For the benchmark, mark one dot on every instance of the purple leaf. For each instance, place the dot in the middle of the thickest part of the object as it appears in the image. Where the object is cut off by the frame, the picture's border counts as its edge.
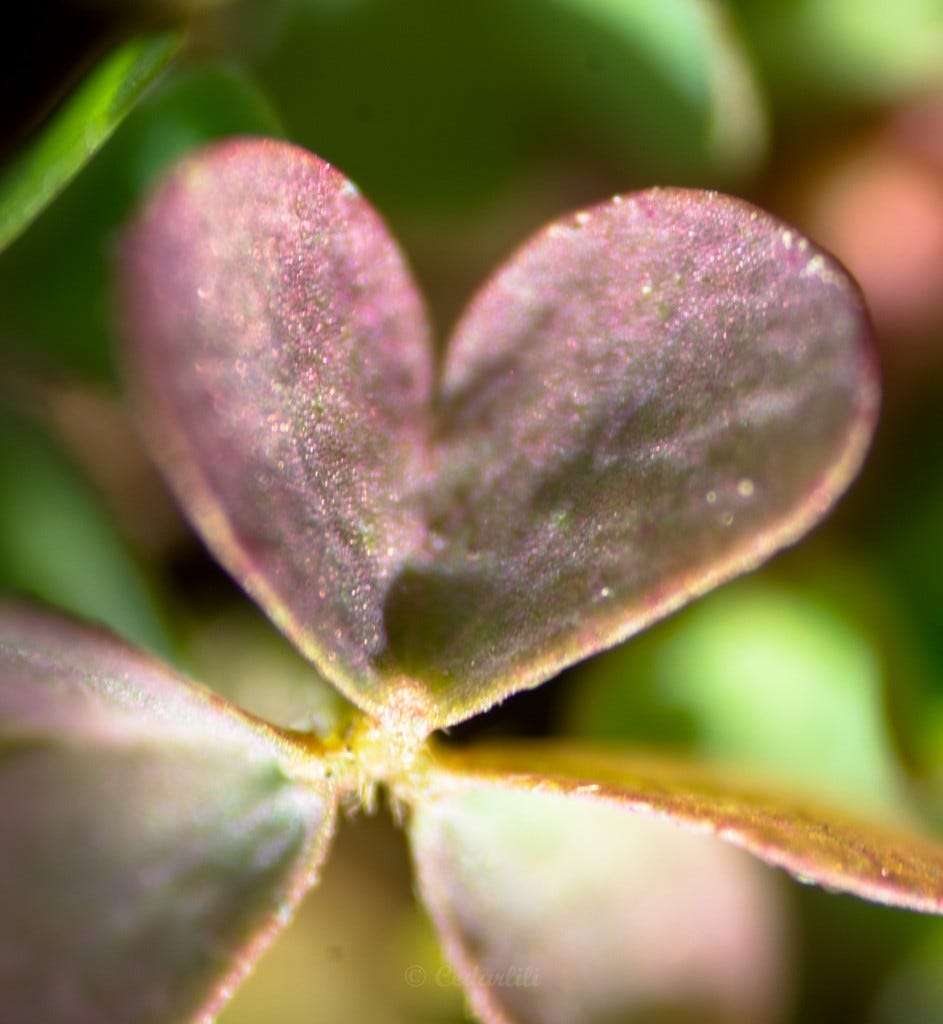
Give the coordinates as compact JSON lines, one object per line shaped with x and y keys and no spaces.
{"x":886,"y":863}
{"x":651,"y":397}
{"x":154,"y":840}
{"x":555,"y":909}
{"x":280,"y":358}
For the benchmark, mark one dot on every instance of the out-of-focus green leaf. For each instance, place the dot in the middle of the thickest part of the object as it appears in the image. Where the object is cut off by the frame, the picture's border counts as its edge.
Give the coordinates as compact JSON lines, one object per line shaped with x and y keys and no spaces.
{"x":906,"y":543}
{"x":555,"y":909}
{"x":416,"y":100}
{"x":240,"y":655}
{"x":57,"y":543}
{"x":846,"y":49}
{"x":201,"y":103}
{"x":68,"y":253}
{"x":37,"y":174}
{"x":663,"y":86}
{"x":913,"y":992}
{"x":650,"y":397}
{"x":154,"y":838}
{"x":916,"y":554}
{"x":433,"y":106}
{"x":757,"y":674}
{"x":889,"y":863}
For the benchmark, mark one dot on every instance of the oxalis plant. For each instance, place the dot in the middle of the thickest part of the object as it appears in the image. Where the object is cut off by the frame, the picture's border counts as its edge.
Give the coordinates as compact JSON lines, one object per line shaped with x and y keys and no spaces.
{"x":650,"y":397}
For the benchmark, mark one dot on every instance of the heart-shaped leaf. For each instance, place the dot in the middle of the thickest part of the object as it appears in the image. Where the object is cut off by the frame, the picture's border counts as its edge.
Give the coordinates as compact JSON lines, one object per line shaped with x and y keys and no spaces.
{"x":886,"y":863}
{"x":648,"y":399}
{"x":651,"y":397}
{"x":153,"y":839}
{"x":555,"y":909}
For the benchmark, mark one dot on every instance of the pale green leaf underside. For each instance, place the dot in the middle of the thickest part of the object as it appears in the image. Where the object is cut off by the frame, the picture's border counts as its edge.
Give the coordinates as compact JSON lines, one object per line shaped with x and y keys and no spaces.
{"x":886,"y":863}
{"x":650,"y":397}
{"x":153,"y":842}
{"x":38,"y":173}
{"x":555,"y":909}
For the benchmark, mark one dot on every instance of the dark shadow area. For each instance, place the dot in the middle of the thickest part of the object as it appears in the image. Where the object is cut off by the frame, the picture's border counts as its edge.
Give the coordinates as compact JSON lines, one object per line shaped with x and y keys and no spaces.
{"x":54,"y":43}
{"x":432,"y":619}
